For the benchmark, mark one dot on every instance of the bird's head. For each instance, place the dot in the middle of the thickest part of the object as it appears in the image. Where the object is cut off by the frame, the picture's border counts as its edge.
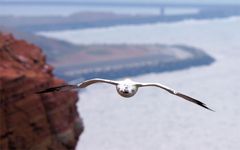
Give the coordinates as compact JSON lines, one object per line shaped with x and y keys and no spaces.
{"x":126,"y":89}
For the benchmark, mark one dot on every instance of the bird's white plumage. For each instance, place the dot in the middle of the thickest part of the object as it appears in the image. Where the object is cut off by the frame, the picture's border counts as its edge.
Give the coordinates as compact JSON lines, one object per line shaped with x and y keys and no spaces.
{"x":126,"y":88}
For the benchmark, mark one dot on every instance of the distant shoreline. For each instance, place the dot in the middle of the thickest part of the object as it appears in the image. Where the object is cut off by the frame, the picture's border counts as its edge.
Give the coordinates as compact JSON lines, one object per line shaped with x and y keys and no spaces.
{"x":82,"y":21}
{"x":200,"y":58}
{"x":130,"y":72}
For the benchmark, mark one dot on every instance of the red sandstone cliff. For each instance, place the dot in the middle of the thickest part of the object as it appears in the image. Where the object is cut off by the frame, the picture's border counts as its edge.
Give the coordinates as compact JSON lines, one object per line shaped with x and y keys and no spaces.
{"x":28,"y":120}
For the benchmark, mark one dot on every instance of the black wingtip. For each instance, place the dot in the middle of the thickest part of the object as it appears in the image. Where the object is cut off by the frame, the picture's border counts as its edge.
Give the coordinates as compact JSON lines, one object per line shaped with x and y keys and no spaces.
{"x":46,"y":91}
{"x":205,"y":106}
{"x":52,"y":89}
{"x":194,"y":101}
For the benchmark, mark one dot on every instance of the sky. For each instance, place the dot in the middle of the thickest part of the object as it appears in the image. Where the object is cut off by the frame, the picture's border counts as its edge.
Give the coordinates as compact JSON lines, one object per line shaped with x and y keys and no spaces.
{"x":145,"y":1}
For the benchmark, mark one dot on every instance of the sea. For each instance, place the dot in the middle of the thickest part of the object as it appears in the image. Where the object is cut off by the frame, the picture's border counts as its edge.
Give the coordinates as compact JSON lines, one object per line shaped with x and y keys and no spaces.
{"x":154,"y":119}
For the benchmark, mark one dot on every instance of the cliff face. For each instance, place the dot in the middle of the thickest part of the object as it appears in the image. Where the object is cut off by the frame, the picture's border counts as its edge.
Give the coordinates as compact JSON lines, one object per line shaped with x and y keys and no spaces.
{"x":29,"y":120}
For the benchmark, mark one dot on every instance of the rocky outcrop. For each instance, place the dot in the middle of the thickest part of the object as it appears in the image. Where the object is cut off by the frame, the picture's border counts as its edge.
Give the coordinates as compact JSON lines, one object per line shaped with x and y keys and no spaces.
{"x":29,"y":120}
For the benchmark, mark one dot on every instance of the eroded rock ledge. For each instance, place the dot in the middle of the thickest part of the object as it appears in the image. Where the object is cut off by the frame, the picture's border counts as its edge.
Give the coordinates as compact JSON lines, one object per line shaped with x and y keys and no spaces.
{"x":29,"y":120}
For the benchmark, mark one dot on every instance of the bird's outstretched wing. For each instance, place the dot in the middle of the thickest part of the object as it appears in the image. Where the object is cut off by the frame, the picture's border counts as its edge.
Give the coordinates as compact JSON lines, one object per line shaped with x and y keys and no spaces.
{"x":83,"y":84}
{"x":66,"y":87}
{"x":172,"y":91}
{"x":96,"y":80}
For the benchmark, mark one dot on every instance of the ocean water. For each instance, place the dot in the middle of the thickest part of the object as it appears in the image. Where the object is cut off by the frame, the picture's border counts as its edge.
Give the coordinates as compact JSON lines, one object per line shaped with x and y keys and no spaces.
{"x":154,"y":119}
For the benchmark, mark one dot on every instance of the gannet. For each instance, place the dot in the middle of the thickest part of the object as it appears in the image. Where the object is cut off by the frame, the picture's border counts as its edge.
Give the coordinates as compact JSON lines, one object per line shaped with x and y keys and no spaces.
{"x":126,"y":88}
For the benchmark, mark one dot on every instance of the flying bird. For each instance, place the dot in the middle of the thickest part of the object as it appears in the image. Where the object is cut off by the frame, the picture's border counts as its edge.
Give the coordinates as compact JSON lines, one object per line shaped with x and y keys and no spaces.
{"x":126,"y":88}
